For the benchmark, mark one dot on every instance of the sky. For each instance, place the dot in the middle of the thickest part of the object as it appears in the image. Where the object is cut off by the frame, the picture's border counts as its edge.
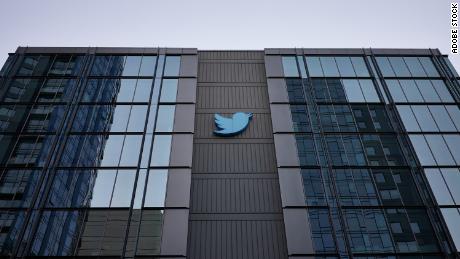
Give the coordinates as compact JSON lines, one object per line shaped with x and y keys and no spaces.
{"x":232,"y":24}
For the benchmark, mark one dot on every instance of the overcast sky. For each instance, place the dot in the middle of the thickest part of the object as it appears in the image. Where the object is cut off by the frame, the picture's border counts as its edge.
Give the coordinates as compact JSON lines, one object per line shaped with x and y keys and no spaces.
{"x":233,"y":24}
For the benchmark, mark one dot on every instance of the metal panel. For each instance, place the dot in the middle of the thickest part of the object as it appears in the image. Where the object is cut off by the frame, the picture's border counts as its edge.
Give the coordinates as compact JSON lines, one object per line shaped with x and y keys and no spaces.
{"x":231,"y":72}
{"x":281,"y":118}
{"x":231,"y":97}
{"x":188,"y":66}
{"x":298,"y":232}
{"x":292,"y":193}
{"x":186,"y":90}
{"x":274,"y":66}
{"x":286,"y":150}
{"x":174,"y":234}
{"x":181,"y":150}
{"x":277,"y":90}
{"x":178,"y":188}
{"x":184,"y":118}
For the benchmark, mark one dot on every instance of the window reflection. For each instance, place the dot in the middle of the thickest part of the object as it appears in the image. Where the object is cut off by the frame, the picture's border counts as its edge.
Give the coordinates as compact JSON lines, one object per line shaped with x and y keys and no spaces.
{"x":161,"y":150}
{"x":113,"y":188}
{"x":165,"y":120}
{"x":172,"y":66}
{"x":169,"y":90}
{"x":156,"y":188}
{"x":290,"y":66}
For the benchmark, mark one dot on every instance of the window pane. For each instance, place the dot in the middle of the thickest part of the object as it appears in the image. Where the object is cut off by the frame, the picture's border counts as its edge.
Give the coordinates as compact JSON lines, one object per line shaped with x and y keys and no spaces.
{"x":415,"y":67}
{"x":452,"y":218}
{"x":148,"y":66}
{"x":385,"y":66}
{"x":345,"y":66}
{"x":408,"y":118}
{"x":329,"y":66}
{"x":165,"y":121}
{"x":452,"y":178}
{"x":137,"y":118}
{"x":306,"y":150}
{"x":131,"y":150}
{"x":453,"y":141}
{"x":303,"y":71}
{"x":454,"y":113}
{"x":424,"y":118}
{"x":156,"y":188}
{"x":123,"y":189}
{"x":103,"y":187}
{"x":422,"y":150}
{"x":314,"y":66}
{"x":411,"y":91}
{"x":112,"y":150}
{"x":396,"y":91}
{"x":368,"y":89}
{"x":290,"y":67}
{"x":300,"y":119}
{"x":143,"y":88}
{"x":442,"y":90}
{"x":429,"y":66}
{"x":172,"y":66}
{"x":360,"y":66}
{"x":442,"y":118}
{"x":126,"y":92}
{"x":427,"y":90}
{"x":353,"y":90}
{"x":169,"y":90}
{"x":451,"y":67}
{"x":399,"y":66}
{"x":132,"y":65}
{"x":438,"y":186}
{"x":120,"y":118}
{"x":161,"y":150}
{"x":439,"y":149}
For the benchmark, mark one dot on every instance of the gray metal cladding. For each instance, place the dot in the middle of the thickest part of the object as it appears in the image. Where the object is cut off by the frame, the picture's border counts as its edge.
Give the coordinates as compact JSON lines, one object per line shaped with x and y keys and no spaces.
{"x":234,"y":96}
{"x":235,"y":203}
{"x":237,"y":239}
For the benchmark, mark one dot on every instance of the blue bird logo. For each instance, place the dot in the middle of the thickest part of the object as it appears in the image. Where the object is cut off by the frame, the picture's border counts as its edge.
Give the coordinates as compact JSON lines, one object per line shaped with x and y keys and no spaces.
{"x":231,"y":126}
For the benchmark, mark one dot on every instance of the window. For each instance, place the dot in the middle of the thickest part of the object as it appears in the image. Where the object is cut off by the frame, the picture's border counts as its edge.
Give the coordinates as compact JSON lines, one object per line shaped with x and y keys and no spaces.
{"x":132,"y":65}
{"x":306,"y":150}
{"x":407,"y":67}
{"x":321,"y":231}
{"x":419,"y":91}
{"x":300,"y":120}
{"x":290,"y":66}
{"x":343,"y":66}
{"x":165,"y":120}
{"x":452,"y":218}
{"x":172,"y":66}
{"x":362,"y":90}
{"x":169,"y":90}
{"x":313,"y":187}
{"x":156,"y":188}
{"x":113,"y":188}
{"x":148,"y":66}
{"x":161,"y":150}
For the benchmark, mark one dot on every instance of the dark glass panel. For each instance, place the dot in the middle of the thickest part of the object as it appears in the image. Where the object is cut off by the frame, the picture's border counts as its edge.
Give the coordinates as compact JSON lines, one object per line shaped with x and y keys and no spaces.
{"x":360,"y":66}
{"x":442,"y":118}
{"x":22,"y":90}
{"x":396,"y":91}
{"x":328,"y":118}
{"x":427,"y":90}
{"x":374,"y":151}
{"x":396,"y":187}
{"x":17,"y":187}
{"x":336,"y":89}
{"x":411,"y":91}
{"x":380,"y":118}
{"x":442,"y":90}
{"x":101,"y":90}
{"x":392,"y":150}
{"x":354,"y":150}
{"x":25,"y":151}
{"x":363,"y":118}
{"x":329,"y":67}
{"x":414,"y":66}
{"x":300,"y":118}
{"x":320,"y":90}
{"x":313,"y":187}
{"x":429,"y":67}
{"x":306,"y":150}
{"x":321,"y":231}
{"x":355,"y":187}
{"x":399,"y":66}
{"x":295,"y":91}
{"x":345,"y":118}
{"x":385,"y":67}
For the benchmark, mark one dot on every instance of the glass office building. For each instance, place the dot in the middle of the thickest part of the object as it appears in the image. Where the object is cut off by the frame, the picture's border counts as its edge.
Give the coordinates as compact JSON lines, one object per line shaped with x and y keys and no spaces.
{"x":110,"y":153}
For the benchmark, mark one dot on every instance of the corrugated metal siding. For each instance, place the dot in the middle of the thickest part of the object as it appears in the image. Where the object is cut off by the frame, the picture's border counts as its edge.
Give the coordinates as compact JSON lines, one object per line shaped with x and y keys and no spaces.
{"x":235,"y":198}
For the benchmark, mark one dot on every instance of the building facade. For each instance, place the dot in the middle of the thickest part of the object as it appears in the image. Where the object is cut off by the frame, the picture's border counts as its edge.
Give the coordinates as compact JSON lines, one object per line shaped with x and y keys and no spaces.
{"x":111,"y":153}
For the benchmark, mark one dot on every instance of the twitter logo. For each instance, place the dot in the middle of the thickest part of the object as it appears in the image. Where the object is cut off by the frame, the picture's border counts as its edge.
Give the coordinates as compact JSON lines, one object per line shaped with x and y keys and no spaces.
{"x":231,"y":126}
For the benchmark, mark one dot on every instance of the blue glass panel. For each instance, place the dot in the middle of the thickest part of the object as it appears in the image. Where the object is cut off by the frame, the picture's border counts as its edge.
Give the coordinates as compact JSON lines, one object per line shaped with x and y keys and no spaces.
{"x":314,"y":66}
{"x":172,"y":66}
{"x":290,"y":66}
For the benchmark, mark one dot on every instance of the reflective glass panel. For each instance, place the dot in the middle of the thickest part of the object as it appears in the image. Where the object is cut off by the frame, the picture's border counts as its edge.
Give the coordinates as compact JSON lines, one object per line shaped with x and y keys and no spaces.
{"x":290,"y":66}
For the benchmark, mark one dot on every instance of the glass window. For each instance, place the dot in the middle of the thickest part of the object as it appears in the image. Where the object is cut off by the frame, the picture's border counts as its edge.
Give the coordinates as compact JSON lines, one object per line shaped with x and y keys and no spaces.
{"x":148,"y":66}
{"x":137,"y":118}
{"x":314,"y":66}
{"x":427,"y":90}
{"x":355,"y":187}
{"x":429,"y":67}
{"x":385,"y":67}
{"x":396,"y":91}
{"x":172,"y":66}
{"x":320,"y":89}
{"x":453,"y":141}
{"x":442,"y":90}
{"x":415,"y":67}
{"x":161,"y":150}
{"x":452,"y":70}
{"x":156,"y":188}
{"x":306,"y":150}
{"x":452,"y":218}
{"x":411,"y":91}
{"x":424,"y":118}
{"x":132,"y":65}
{"x":300,"y":119}
{"x":143,"y":88}
{"x":290,"y":66}
{"x":329,"y":67}
{"x":112,"y":150}
{"x":353,"y":90}
{"x":120,"y":118}
{"x":438,"y":186}
{"x":336,"y":90}
{"x":439,"y":149}
{"x":321,"y":231}
{"x":399,"y":66}
{"x":442,"y":118}
{"x":103,"y":187}
{"x":368,"y":89}
{"x":123,"y":189}
{"x":113,"y":188}
{"x":295,"y":90}
{"x":131,"y":150}
{"x":165,"y":121}
{"x":454,"y":113}
{"x":422,"y":150}
{"x":169,"y":90}
{"x":408,"y":118}
{"x":313,"y":187}
{"x":126,"y":92}
{"x":345,"y":66}
{"x":452,"y":178}
{"x":360,"y":66}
